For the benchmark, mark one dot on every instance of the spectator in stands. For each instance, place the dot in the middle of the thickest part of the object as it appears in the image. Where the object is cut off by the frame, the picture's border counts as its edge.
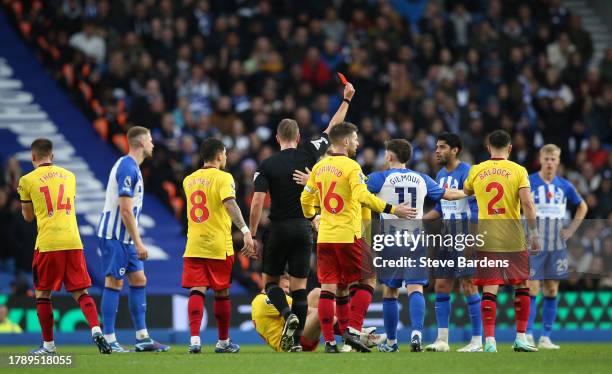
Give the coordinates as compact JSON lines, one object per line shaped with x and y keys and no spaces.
{"x":232,"y":69}
{"x":89,"y":42}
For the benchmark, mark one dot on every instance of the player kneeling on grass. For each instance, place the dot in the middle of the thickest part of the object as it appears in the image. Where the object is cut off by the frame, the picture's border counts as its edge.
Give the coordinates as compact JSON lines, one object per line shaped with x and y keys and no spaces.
{"x":209,"y":254}
{"x":269,"y":323}
{"x":47,"y":194}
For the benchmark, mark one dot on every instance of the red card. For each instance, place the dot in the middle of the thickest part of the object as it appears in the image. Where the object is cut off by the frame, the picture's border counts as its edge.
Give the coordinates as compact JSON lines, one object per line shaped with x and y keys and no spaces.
{"x":342,"y":79}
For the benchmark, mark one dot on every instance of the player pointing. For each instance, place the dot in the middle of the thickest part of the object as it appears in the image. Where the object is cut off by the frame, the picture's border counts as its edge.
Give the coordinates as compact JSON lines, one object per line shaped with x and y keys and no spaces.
{"x":48,"y":194}
{"x":343,"y":258}
{"x":501,"y":188}
{"x":209,"y":254}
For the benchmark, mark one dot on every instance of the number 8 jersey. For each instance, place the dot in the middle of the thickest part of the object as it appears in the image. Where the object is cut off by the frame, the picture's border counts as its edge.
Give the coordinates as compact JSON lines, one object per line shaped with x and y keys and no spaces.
{"x":51,"y":190}
{"x":209,"y":227}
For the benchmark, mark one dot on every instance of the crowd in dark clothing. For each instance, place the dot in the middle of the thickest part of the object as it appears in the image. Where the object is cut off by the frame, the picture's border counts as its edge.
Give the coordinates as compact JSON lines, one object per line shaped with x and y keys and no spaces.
{"x":192,"y":69}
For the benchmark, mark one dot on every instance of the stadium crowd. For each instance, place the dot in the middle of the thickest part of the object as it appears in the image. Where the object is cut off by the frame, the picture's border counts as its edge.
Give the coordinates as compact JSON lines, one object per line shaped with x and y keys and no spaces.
{"x":192,"y":69}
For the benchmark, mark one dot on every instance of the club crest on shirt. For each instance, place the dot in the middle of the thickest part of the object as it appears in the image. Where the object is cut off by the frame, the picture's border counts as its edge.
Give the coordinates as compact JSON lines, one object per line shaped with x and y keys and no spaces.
{"x":127,"y":182}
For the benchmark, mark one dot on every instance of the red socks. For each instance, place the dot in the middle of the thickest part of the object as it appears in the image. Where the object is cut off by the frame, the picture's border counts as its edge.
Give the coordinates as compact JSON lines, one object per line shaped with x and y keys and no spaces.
{"x":44,"y":310}
{"x":222,"y":308}
{"x":342,"y":312}
{"x":361,"y":297}
{"x":88,"y":307}
{"x":521,"y":308}
{"x":488,"y":308}
{"x":195,"y":308}
{"x":326,"y":315}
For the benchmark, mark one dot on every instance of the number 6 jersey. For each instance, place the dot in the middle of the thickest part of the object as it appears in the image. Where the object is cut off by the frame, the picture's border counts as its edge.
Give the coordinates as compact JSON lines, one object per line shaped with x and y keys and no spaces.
{"x":51,"y":190}
{"x":209,"y":227}
{"x":337,"y":184}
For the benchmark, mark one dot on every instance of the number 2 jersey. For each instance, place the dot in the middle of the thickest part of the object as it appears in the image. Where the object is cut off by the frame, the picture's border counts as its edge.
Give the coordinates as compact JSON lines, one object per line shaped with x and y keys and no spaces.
{"x":338,"y":185}
{"x":496,"y":184}
{"x":52,"y":190}
{"x":209,"y":226}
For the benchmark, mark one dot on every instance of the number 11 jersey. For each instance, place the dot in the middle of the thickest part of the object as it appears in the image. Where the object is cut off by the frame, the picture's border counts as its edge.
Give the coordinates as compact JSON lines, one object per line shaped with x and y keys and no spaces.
{"x":209,"y":227}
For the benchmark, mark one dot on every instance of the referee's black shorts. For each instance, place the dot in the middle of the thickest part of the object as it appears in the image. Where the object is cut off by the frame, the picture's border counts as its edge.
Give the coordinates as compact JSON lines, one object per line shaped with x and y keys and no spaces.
{"x":288,"y":242}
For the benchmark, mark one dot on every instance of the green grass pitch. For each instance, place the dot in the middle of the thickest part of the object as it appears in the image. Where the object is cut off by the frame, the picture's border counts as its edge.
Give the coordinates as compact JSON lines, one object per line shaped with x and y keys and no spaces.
{"x":253,"y":359}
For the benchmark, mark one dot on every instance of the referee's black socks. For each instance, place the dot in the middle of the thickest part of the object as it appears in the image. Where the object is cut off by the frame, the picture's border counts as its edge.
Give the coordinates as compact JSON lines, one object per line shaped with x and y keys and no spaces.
{"x":278,"y":299}
{"x":299,"y":307}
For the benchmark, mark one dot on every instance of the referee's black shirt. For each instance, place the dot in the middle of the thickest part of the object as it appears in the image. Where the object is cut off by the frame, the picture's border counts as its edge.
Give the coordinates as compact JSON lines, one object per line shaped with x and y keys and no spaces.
{"x":275,"y":174}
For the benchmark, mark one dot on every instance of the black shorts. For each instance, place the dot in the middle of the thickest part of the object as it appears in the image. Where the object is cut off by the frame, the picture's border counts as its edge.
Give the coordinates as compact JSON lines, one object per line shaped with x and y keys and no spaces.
{"x":288,"y":242}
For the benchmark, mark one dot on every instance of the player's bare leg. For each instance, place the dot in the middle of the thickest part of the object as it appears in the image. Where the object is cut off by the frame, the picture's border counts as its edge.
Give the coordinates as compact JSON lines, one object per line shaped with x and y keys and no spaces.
{"x":390,"y":310}
{"x":488,"y":308}
{"x":88,"y":306}
{"x":416,"y":305}
{"x":222,"y":309}
{"x":138,"y":307}
{"x":550,"y":290}
{"x":44,"y":310}
{"x":109,"y":306}
{"x":534,"y":290}
{"x":521,"y":312}
{"x":472,"y":297}
{"x":326,"y":310}
{"x":443,"y":288}
{"x":195,"y":310}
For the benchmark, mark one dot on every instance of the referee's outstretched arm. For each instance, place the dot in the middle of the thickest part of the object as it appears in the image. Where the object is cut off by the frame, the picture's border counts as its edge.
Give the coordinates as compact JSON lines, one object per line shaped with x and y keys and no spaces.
{"x":349,"y":91}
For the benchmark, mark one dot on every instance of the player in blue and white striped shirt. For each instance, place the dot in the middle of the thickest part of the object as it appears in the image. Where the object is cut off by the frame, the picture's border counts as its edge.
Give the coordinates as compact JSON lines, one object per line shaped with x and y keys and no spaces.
{"x":457,"y":216}
{"x":120,"y":243}
{"x":398,"y":185}
{"x":551,"y":194}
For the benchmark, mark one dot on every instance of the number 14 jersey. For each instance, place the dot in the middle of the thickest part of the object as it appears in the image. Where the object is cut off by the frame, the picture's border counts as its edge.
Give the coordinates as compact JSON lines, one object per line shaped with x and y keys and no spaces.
{"x":209,"y":227}
{"x":51,"y":190}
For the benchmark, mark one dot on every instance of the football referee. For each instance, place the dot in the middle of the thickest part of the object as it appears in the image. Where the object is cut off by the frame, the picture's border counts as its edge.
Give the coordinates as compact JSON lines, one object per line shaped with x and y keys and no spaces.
{"x":289,"y":240}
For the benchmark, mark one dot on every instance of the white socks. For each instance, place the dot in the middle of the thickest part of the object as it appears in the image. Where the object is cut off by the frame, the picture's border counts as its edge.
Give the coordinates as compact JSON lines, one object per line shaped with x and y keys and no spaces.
{"x":477,"y":340}
{"x":142,"y":334}
{"x":110,"y":338}
{"x":443,"y":334}
{"x":195,"y":340}
{"x":49,"y":345}
{"x":521,"y":336}
{"x":96,"y":329}
{"x":390,"y":342}
{"x":490,"y":340}
{"x":417,"y":333}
